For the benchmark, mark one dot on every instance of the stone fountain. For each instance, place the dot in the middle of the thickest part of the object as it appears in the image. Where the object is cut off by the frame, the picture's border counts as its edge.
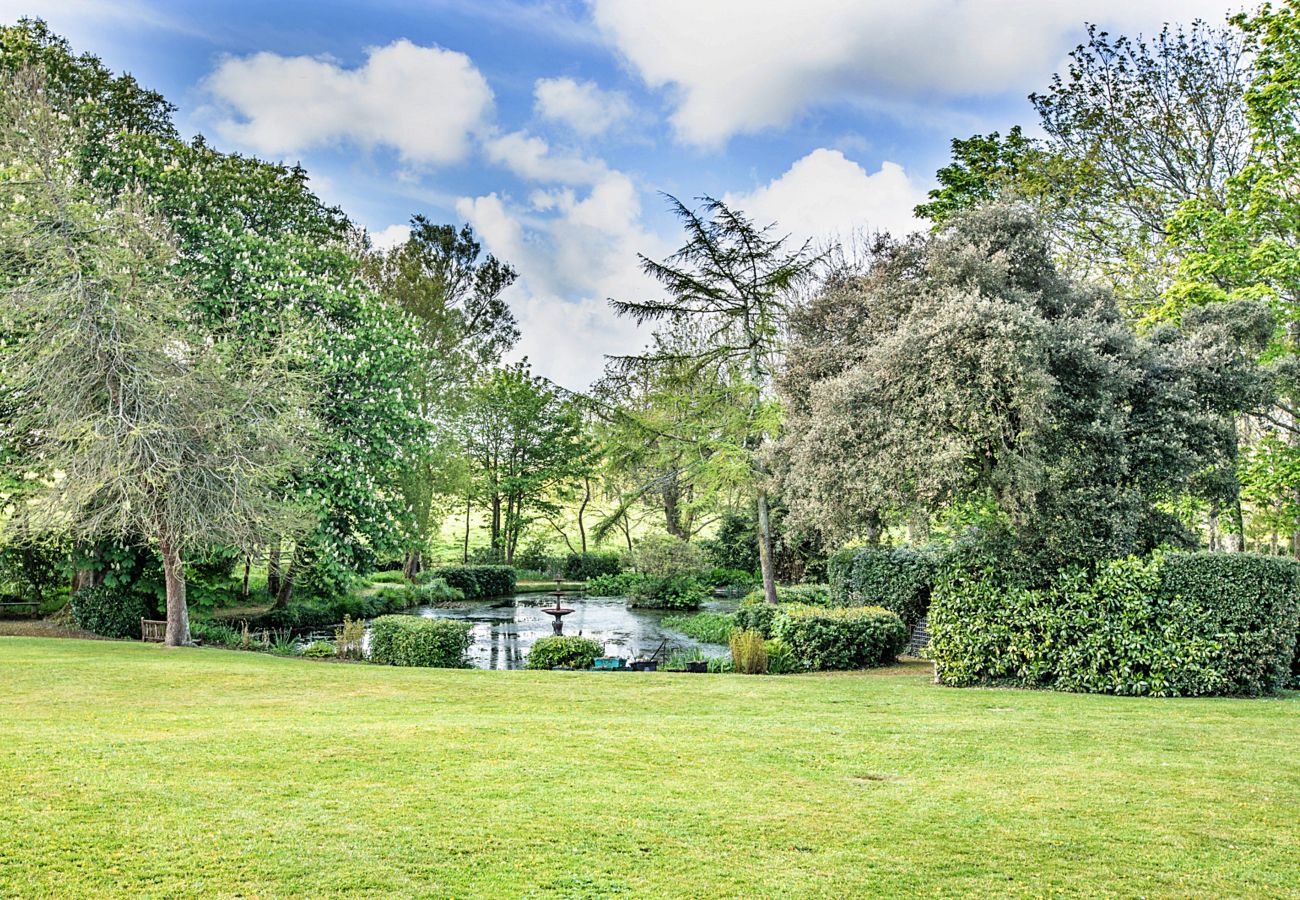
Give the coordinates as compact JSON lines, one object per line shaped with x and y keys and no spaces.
{"x":557,"y":612}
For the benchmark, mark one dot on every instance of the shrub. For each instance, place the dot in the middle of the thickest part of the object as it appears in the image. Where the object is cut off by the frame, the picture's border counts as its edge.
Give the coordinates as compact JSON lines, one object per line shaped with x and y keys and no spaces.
{"x":621,"y":585}
{"x":854,"y":637}
{"x":479,"y":582}
{"x":898,"y":578}
{"x":214,"y":634}
{"x":109,"y":611}
{"x":806,"y":594}
{"x":756,"y":614}
{"x":669,"y":592}
{"x":1167,"y":625}
{"x":733,"y":579}
{"x":712,"y":628}
{"x":585,"y":566}
{"x":564,"y":650}
{"x":780,"y":658}
{"x":748,"y":652}
{"x":417,"y":641}
{"x":319,"y":650}
{"x":662,"y":556}
{"x":348,"y":639}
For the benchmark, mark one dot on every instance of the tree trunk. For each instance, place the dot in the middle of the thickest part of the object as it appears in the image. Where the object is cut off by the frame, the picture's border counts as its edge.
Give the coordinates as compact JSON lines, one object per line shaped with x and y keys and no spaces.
{"x":413,"y":566}
{"x":765,"y":548}
{"x":178,"y":612}
{"x":672,"y":511}
{"x":273,"y":567}
{"x":465,"y":554}
{"x":248,"y":565}
{"x":582,"y":509}
{"x":285,"y":594}
{"x":873,"y":528}
{"x":1213,"y":527}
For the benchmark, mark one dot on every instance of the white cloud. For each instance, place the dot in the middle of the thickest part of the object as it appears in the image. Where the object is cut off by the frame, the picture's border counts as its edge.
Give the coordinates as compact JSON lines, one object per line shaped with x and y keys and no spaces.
{"x":390,"y":237}
{"x":582,"y":106}
{"x":572,"y":253}
{"x":531,"y":158}
{"x":825,"y":194}
{"x":423,"y":101}
{"x":745,"y":65}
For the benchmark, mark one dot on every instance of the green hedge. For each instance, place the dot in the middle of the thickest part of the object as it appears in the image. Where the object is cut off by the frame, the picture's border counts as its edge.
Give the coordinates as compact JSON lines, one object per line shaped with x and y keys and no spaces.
{"x":109,"y":611}
{"x":1168,"y":625}
{"x":583,"y":566}
{"x":564,"y":650}
{"x":417,"y":641}
{"x":898,"y":578}
{"x":806,"y":594}
{"x":835,"y":638}
{"x":478,"y":582}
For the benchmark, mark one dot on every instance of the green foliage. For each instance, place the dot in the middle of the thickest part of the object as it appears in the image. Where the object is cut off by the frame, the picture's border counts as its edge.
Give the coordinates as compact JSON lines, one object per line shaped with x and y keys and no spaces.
{"x":35,"y":573}
{"x":392,"y":576}
{"x":584,"y":566}
{"x":417,"y":641}
{"x":756,"y":614}
{"x":479,"y":582}
{"x":319,"y":650}
{"x":109,"y":611}
{"x":214,"y":634}
{"x":854,"y":637}
{"x":897,"y":578}
{"x":1168,"y":625}
{"x":710,"y":627}
{"x":664,"y":556}
{"x":984,"y":168}
{"x":566,"y":651}
{"x":732,"y":579}
{"x":748,"y":652}
{"x":735,"y":544}
{"x":781,"y":660}
{"x":620,"y":585}
{"x":807,"y":594}
{"x":349,"y":639}
{"x":668,"y":592}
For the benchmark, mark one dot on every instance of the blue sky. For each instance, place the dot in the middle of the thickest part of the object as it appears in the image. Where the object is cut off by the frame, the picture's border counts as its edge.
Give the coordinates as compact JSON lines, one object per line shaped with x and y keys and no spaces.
{"x":552,"y":127}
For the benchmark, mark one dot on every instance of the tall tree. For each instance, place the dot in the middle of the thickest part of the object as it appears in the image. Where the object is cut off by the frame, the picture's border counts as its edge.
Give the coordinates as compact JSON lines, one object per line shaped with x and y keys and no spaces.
{"x":142,"y":428}
{"x":732,"y":282}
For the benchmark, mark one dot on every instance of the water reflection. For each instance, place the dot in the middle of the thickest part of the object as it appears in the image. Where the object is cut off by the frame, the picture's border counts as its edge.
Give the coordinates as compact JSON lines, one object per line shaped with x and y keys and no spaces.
{"x":504,"y":630}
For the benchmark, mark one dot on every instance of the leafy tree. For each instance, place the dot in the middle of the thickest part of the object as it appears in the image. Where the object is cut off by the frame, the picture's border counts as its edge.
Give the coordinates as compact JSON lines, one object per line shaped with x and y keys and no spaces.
{"x":963,"y":367}
{"x":523,"y":440}
{"x":731,"y":282}
{"x":984,"y":168}
{"x":141,"y":427}
{"x":453,"y":296}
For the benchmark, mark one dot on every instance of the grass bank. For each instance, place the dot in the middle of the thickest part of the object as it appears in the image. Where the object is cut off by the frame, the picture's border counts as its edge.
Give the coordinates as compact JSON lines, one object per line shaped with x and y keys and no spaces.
{"x":136,"y":770}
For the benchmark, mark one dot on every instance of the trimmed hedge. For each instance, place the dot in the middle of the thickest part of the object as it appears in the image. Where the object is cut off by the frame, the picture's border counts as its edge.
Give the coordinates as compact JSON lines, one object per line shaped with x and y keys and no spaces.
{"x":1168,"y":625}
{"x":898,"y":578}
{"x":836,"y":638}
{"x":569,"y":651}
{"x":584,"y":566}
{"x":109,"y":611}
{"x":417,"y":641}
{"x":479,"y":582}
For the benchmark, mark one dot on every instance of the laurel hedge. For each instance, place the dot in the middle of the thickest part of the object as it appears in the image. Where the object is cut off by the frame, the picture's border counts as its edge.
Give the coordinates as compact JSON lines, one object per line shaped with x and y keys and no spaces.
{"x":1166,"y":625}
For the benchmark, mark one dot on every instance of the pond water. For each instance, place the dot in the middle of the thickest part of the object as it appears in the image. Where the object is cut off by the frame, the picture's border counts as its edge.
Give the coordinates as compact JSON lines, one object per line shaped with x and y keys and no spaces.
{"x":505,"y":629}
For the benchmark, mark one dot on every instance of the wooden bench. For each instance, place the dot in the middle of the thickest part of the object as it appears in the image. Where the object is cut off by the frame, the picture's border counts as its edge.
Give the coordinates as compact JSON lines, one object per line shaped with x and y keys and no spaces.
{"x":152,"y":630}
{"x":33,"y":607}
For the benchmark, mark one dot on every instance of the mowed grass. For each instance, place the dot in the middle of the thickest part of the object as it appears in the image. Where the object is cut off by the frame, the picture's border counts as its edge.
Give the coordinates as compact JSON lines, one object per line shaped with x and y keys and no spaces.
{"x":139,"y":771}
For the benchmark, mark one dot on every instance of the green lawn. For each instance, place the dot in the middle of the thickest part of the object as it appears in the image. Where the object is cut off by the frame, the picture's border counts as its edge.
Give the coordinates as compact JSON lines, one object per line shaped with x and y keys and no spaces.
{"x":135,"y":770}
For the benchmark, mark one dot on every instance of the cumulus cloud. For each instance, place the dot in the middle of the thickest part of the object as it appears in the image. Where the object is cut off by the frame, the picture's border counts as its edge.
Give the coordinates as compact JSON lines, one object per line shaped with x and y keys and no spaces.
{"x":581,"y":105}
{"x":744,"y":65}
{"x":573,"y":251}
{"x":390,"y":237}
{"x":531,"y":159}
{"x":425,"y":102}
{"x":825,"y":195}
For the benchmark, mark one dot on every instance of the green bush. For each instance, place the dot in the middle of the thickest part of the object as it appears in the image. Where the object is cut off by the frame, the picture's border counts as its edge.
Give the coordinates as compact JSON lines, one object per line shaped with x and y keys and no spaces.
{"x":898,"y":578}
{"x":712,"y":628}
{"x":585,"y":566}
{"x":663,"y":556}
{"x":733,"y":579}
{"x":571,"y":652}
{"x":806,"y":594}
{"x":214,"y":634}
{"x":319,"y":650}
{"x":756,"y":614}
{"x":834,"y":638}
{"x":418,"y":641}
{"x":479,"y":582}
{"x":669,"y":592}
{"x":780,"y":658}
{"x":390,"y":576}
{"x":109,"y":611}
{"x":620,"y":585}
{"x":1167,"y":625}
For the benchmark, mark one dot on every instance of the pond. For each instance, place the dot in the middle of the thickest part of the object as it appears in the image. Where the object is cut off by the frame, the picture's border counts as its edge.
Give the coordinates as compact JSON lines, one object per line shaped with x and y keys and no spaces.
{"x":504,"y":629}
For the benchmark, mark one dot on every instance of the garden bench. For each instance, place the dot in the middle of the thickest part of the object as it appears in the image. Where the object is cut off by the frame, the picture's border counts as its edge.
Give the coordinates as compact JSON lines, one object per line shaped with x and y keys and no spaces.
{"x":33,"y":607}
{"x":153,"y":630}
